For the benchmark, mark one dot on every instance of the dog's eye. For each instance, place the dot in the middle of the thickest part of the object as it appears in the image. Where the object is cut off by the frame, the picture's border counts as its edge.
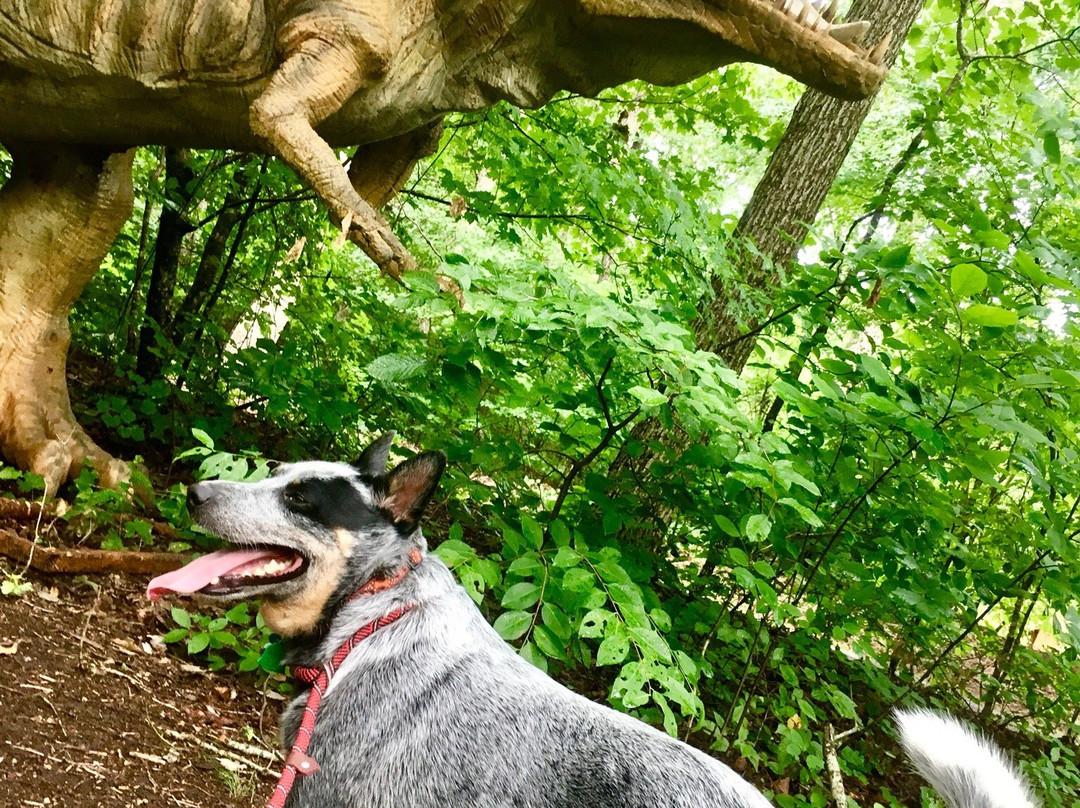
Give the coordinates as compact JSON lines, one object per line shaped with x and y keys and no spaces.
{"x":295,"y":499}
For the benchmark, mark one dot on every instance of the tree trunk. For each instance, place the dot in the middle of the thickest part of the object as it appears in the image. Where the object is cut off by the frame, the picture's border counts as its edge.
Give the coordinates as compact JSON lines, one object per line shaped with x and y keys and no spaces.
{"x":59,"y":213}
{"x":798,"y":178}
{"x":785,"y":203}
{"x":173,"y":227}
{"x":183,"y":323}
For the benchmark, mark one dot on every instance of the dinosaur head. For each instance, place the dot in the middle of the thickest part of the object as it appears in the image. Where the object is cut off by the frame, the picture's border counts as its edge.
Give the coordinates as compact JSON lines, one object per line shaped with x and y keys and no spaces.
{"x":674,"y":41}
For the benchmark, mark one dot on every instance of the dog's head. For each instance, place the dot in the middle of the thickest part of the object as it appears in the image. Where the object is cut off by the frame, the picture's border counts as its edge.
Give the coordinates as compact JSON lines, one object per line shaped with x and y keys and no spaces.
{"x":309,"y":535}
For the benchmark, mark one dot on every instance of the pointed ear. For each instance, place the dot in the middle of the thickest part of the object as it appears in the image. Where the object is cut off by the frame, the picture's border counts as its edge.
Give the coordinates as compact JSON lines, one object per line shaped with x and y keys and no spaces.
{"x":410,"y":486}
{"x":372,"y":461}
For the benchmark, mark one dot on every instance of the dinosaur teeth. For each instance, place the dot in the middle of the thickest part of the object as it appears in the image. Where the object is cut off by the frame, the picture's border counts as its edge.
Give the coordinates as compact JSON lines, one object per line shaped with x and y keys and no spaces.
{"x":877,"y":53}
{"x":817,"y":15}
{"x":850,"y":33}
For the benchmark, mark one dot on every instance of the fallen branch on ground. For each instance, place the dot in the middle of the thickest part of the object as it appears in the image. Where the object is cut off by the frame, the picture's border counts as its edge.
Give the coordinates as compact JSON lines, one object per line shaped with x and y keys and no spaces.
{"x":86,"y":560}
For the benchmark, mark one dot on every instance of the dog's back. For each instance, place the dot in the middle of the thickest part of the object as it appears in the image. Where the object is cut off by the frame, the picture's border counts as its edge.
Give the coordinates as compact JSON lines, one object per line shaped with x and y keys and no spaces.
{"x":440,"y":711}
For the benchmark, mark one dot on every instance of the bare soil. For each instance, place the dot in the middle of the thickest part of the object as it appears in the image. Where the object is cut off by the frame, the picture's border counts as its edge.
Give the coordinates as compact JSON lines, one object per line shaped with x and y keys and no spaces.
{"x":94,"y":711}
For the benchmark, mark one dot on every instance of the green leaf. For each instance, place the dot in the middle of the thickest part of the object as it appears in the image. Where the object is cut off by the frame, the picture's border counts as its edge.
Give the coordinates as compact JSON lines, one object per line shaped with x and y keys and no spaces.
{"x":987,"y":315}
{"x":650,"y":642}
{"x":454,"y":552}
{"x":967,"y":280}
{"x":547,"y":643}
{"x":511,"y":625}
{"x":522,"y":595}
{"x":670,"y":724}
{"x":223,"y":639}
{"x":198,"y":643}
{"x":527,"y":566}
{"x":560,"y":534}
{"x":726,"y":525}
{"x":272,"y":657}
{"x":592,"y":624}
{"x":556,"y":620}
{"x":393,"y":368}
{"x":566,"y":557}
{"x":181,"y":617}
{"x":175,"y":635}
{"x":578,"y":580}
{"x":531,"y":530}
{"x":993,"y":238}
{"x":896,"y":258}
{"x":530,"y":652}
{"x":647,"y":396}
{"x":616,"y":644}
{"x":1052,"y":147}
{"x":876,"y":370}
{"x":758,"y":527}
{"x":238,"y":614}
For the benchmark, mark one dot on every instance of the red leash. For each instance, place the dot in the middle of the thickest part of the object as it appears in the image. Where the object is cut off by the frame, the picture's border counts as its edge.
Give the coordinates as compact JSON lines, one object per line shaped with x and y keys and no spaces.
{"x":299,"y":763}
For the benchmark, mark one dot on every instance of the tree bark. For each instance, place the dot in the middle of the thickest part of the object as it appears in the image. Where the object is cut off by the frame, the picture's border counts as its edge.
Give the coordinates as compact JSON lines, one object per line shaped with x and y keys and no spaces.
{"x":798,"y":178}
{"x":212,"y":262}
{"x":59,"y":213}
{"x":173,"y":227}
{"x":784,"y":205}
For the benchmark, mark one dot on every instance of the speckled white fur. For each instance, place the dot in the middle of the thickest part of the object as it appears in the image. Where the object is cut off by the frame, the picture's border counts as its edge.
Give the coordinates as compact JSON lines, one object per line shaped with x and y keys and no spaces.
{"x":966,"y":768}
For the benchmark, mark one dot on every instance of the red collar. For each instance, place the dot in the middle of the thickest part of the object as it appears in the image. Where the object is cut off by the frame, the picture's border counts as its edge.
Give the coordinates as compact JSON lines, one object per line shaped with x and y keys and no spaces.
{"x":299,"y":763}
{"x":382,"y":583}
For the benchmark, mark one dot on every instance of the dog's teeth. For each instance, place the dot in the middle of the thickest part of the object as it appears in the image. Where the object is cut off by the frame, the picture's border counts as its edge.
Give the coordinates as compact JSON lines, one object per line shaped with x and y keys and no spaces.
{"x":215,"y":581}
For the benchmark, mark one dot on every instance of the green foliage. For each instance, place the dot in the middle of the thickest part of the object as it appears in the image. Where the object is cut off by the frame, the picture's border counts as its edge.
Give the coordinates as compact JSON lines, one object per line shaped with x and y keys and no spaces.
{"x":233,"y":638}
{"x":13,"y":585}
{"x":247,"y":466}
{"x":877,"y":512}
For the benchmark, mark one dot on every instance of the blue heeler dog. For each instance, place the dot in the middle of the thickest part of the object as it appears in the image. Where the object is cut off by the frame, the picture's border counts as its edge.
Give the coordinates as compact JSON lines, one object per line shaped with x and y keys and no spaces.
{"x":420,"y":704}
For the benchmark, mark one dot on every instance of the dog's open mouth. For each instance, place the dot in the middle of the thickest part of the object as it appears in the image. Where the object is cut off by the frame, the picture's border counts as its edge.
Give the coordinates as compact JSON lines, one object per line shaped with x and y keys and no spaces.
{"x":228,"y":571}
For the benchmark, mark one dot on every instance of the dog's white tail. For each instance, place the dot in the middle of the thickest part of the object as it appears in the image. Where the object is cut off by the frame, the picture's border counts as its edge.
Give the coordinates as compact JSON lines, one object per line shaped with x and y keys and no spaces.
{"x":967,"y":769}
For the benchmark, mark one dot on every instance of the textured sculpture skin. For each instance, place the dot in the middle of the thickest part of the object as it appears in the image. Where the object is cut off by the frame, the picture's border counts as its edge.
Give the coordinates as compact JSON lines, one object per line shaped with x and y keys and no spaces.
{"x":81,"y":80}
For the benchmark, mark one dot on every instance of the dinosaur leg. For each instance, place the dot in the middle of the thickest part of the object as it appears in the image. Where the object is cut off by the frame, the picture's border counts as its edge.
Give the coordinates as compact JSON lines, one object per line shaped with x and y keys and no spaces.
{"x":379,"y":170}
{"x":59,"y":213}
{"x":312,"y":83}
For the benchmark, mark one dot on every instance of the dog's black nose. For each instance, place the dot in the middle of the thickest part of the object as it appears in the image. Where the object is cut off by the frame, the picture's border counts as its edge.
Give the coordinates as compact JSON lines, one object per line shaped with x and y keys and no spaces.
{"x":197,"y":494}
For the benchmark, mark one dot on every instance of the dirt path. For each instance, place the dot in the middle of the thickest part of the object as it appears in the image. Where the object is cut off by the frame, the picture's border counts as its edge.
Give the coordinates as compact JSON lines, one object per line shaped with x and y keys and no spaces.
{"x":94,"y":712}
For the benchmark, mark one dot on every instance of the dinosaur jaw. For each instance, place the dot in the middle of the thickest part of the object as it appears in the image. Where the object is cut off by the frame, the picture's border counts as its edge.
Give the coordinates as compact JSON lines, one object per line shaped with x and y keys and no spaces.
{"x":809,"y":45}
{"x":791,"y":36}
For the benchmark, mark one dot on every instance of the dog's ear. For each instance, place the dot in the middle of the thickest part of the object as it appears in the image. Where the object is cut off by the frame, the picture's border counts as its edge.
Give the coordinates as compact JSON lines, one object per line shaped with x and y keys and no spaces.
{"x":410,"y":486}
{"x":372,"y":461}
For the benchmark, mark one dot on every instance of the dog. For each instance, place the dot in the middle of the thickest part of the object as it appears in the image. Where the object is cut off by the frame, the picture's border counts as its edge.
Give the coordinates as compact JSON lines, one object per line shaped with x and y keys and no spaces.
{"x":430,"y":708}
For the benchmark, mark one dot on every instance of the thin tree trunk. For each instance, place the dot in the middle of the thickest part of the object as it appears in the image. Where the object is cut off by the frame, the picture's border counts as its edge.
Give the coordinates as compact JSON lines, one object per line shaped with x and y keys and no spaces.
{"x":212,"y":262}
{"x":128,"y":320}
{"x":873,"y":219}
{"x":173,"y":226}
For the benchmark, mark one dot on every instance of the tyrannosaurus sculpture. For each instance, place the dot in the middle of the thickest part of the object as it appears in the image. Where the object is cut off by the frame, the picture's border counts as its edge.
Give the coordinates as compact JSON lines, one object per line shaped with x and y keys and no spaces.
{"x":83,"y":81}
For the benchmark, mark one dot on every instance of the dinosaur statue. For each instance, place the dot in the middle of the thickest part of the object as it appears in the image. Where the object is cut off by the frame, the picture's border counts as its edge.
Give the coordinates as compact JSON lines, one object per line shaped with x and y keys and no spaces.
{"x":84,"y":81}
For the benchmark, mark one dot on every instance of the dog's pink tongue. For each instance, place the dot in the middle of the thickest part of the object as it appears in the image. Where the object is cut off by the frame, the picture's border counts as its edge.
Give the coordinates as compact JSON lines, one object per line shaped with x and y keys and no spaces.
{"x":201,"y":571}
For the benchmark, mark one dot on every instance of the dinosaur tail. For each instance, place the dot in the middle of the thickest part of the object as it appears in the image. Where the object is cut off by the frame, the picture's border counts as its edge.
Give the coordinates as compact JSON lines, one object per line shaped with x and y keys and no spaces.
{"x":966,"y":768}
